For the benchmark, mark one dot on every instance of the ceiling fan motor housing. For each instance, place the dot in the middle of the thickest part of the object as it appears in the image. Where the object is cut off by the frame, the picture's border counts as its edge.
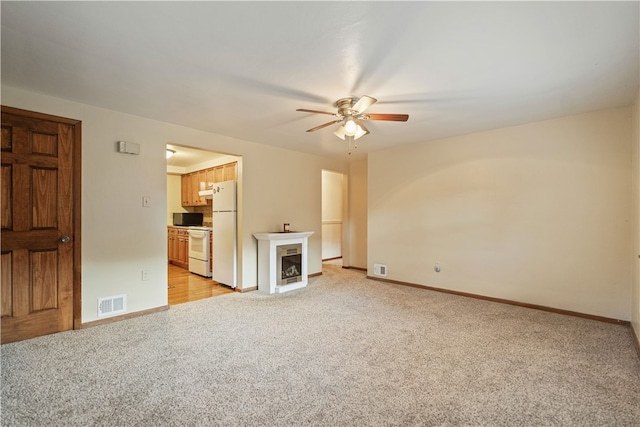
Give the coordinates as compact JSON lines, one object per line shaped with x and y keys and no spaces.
{"x":345,"y":106}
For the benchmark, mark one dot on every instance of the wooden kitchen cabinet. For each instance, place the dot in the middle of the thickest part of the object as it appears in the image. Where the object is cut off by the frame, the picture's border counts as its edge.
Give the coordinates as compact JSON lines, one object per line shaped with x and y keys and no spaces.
{"x":211,"y":177}
{"x":225,"y":172}
{"x":229,"y":171}
{"x":172,"y":243}
{"x":193,"y":197}
{"x":203,"y":179}
{"x":185,"y":189}
{"x":178,"y":246}
{"x":183,"y":247}
{"x":202,"y":185}
{"x":190,"y":189}
{"x":218,"y":174}
{"x":197,"y":178}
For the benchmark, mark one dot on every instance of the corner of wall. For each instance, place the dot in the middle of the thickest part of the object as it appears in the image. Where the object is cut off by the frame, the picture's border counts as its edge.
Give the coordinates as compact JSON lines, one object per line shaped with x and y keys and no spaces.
{"x":358,"y":213}
{"x":635,"y":200}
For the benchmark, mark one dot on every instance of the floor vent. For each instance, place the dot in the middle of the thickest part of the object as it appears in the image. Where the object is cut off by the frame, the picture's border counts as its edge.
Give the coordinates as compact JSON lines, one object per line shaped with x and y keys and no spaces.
{"x":380,"y":270}
{"x":112,"y":305}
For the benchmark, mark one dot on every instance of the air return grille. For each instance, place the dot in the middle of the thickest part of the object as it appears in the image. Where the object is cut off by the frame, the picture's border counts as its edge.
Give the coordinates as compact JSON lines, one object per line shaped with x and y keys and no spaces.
{"x":380,"y":270}
{"x":112,"y":305}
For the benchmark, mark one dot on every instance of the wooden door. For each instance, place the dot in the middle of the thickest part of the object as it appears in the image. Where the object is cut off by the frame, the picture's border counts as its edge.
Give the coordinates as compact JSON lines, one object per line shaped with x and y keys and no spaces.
{"x":40,"y":224}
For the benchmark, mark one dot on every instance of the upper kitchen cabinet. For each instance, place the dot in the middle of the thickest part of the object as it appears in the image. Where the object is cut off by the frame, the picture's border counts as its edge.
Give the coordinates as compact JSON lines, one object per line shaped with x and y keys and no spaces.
{"x":229,"y":171}
{"x":204,"y":179}
{"x":198,"y":182}
{"x":185,"y":190}
{"x":211,"y":176}
{"x":190,"y":187}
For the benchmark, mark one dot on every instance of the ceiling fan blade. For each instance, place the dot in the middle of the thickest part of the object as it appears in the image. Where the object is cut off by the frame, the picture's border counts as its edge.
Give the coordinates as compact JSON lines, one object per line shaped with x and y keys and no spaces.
{"x":323,"y":126}
{"x":389,"y":117}
{"x":304,"y":110}
{"x":363,"y":103}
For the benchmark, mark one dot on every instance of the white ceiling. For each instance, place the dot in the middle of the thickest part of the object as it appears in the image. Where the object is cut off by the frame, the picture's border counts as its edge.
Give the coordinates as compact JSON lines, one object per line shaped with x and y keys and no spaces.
{"x":242,"y":68}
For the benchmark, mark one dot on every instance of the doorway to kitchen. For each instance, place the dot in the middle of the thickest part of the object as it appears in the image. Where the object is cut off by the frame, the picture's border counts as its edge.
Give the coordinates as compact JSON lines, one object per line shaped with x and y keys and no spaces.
{"x":191,"y":175}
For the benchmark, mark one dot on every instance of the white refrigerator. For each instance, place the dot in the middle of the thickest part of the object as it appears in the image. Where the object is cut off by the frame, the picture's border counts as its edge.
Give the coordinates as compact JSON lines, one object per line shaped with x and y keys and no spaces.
{"x":224,"y":233}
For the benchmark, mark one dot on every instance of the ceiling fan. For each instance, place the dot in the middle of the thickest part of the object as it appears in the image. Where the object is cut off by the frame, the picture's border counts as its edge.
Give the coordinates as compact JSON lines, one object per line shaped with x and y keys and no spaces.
{"x":351,"y":113}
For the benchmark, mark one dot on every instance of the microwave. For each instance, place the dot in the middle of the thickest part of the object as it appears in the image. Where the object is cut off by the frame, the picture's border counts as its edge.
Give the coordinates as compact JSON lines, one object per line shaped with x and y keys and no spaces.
{"x":187,"y":218}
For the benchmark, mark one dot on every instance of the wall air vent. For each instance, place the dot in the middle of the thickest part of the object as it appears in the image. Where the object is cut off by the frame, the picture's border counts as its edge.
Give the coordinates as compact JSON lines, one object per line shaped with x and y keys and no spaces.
{"x":112,"y":305}
{"x":380,"y":270}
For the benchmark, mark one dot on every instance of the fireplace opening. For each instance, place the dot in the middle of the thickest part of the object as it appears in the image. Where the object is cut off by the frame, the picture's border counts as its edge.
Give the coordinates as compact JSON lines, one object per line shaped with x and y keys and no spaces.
{"x":289,"y":264}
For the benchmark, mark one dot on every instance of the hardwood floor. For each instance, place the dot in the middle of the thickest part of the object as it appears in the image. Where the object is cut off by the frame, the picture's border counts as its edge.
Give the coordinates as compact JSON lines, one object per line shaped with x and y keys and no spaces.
{"x":185,"y":286}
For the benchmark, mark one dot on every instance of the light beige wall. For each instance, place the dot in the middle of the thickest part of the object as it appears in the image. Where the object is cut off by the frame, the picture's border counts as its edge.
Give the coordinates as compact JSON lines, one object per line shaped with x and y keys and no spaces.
{"x":635,"y":256}
{"x":538,"y":213}
{"x":357,"y":218}
{"x":120,"y":238}
{"x":174,"y":197}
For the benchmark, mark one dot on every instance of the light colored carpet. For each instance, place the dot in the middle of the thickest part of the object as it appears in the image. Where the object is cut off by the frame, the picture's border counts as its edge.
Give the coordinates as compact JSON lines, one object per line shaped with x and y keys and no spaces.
{"x":345,"y":351}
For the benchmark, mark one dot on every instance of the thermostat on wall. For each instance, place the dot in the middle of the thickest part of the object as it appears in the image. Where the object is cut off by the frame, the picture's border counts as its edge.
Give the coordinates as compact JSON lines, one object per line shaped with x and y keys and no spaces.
{"x":127,"y":147}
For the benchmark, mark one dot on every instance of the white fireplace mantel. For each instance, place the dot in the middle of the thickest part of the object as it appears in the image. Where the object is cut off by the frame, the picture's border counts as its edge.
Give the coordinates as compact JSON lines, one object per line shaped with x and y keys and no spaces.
{"x":267,"y":243}
{"x":283,"y":236}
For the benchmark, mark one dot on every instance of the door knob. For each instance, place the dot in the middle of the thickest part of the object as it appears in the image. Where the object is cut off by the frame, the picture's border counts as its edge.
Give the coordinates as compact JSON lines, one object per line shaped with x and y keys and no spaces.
{"x":65,"y":239}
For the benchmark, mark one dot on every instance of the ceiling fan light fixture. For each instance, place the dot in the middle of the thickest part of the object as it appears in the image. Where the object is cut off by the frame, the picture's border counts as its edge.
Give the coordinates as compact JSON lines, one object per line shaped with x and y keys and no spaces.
{"x":350,"y":127}
{"x":341,"y":132}
{"x":360,"y":132}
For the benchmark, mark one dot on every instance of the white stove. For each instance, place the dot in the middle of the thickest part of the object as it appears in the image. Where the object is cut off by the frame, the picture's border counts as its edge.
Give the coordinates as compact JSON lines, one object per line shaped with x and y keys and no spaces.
{"x":199,"y":250}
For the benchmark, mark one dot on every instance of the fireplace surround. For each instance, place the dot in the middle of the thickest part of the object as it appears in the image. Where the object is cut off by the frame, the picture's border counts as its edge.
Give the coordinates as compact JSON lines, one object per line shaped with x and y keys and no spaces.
{"x":282,"y":261}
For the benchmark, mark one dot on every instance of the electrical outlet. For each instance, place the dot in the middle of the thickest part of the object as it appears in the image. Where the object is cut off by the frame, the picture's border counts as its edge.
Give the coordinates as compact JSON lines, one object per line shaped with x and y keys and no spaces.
{"x":437,"y":267}
{"x":145,"y":275}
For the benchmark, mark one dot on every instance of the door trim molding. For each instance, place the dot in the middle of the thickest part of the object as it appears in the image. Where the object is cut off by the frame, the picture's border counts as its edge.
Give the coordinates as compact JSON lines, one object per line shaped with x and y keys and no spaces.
{"x":77,"y":205}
